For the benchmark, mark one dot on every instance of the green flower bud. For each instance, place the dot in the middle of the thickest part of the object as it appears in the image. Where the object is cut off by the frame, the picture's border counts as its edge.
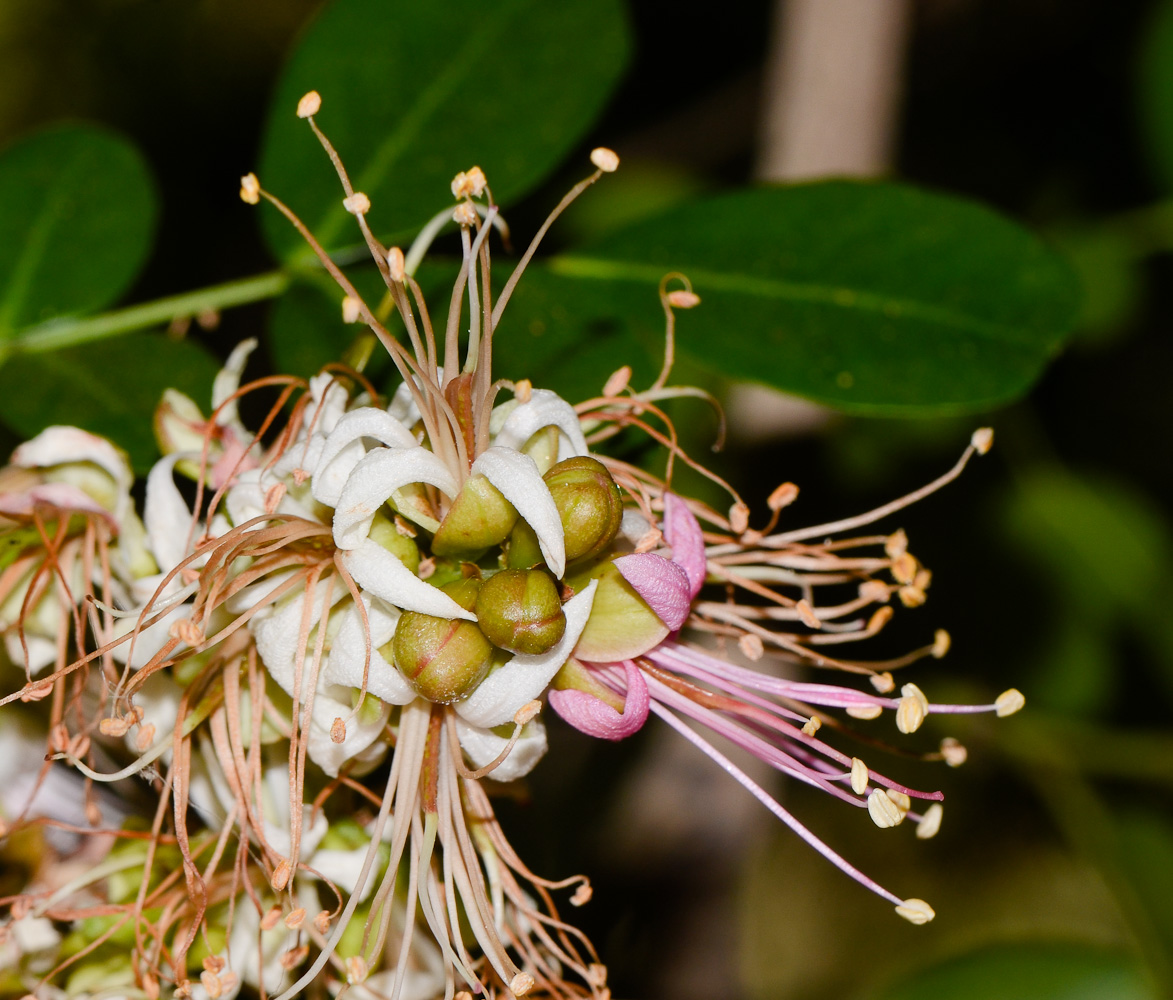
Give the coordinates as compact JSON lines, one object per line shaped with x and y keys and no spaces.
{"x":384,"y":532}
{"x":519,"y":610}
{"x":523,"y":550}
{"x":621,"y":624}
{"x":442,"y":659}
{"x":589,"y":503}
{"x":479,"y":518}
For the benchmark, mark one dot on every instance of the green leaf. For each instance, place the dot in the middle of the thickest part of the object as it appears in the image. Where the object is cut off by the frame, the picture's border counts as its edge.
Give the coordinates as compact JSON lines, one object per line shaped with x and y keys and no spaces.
{"x":415,"y":92}
{"x":1146,"y":854}
{"x":110,"y":388}
{"x":1155,"y":95}
{"x":876,"y":299}
{"x":1028,"y":972}
{"x":77,"y":209}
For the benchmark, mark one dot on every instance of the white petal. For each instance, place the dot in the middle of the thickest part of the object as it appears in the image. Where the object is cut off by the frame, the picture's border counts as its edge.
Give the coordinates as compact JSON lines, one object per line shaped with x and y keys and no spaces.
{"x":402,"y":407}
{"x":41,"y":651}
{"x":330,"y":399}
{"x":227,"y":381}
{"x":246,"y":499}
{"x":523,"y":678}
{"x":373,"y":480}
{"x":60,"y":444}
{"x":343,"y":868}
{"x":377,"y":570}
{"x":344,"y":447}
{"x":483,"y":745}
{"x":519,"y":481}
{"x":166,"y":515}
{"x":150,"y":639}
{"x":276,"y":635}
{"x":349,"y":650}
{"x":361,"y":731}
{"x":544,"y":409}
{"x":304,"y":454}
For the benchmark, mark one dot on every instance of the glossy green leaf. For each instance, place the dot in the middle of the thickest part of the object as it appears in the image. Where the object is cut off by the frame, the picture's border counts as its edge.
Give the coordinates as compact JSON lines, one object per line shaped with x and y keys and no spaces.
{"x":1028,"y":972}
{"x":110,"y":388}
{"x":414,"y":92}
{"x":77,"y":210}
{"x":876,"y":299}
{"x":1156,"y":91}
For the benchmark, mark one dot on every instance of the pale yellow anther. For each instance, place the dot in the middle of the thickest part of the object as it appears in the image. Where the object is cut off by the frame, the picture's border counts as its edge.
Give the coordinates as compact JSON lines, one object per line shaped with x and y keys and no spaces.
{"x":351,"y":309}
{"x":904,"y":568}
{"x":521,"y":984}
{"x":896,"y":544}
{"x":396,"y":265}
{"x":912,"y":597}
{"x":250,"y":189}
{"x":295,"y":918}
{"x":807,"y":614}
{"x":941,"y":643}
{"x":901,"y":800}
{"x":982,"y":440}
{"x":607,"y":160}
{"x":874,"y":590}
{"x":1009,"y":702}
{"x":930,"y":822}
{"x":812,"y":725}
{"x":523,"y":390}
{"x":751,"y":647}
{"x":617,"y":382}
{"x":309,"y":105}
{"x":357,"y":203}
{"x":682,"y":298}
{"x":782,"y":496}
{"x":476,"y":181}
{"x":916,"y":911}
{"x":582,"y":895}
{"x":865,"y":711}
{"x":880,"y":617}
{"x":913,"y":708}
{"x":953,"y":752}
{"x":527,"y":712}
{"x":884,"y":812}
{"x":859,"y":776}
{"x":113,"y":727}
{"x":281,"y":875}
{"x":186,"y":631}
{"x":212,"y":985}
{"x":356,"y":969}
{"x":923,"y":578}
{"x":338,"y":730}
{"x":739,"y":517}
{"x":883,"y":682}
{"x":459,"y":185}
{"x":464,"y":214}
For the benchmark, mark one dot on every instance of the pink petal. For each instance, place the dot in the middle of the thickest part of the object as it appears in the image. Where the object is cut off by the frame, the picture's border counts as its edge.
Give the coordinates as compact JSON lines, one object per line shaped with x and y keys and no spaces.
{"x":63,"y":496}
{"x":662,"y":583}
{"x":683,"y":532}
{"x":596,"y":718}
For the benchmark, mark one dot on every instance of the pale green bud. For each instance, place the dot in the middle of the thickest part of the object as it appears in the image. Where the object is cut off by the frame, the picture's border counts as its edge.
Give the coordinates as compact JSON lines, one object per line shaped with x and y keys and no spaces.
{"x":523,"y":550}
{"x":589,"y":503}
{"x":479,"y":518}
{"x":519,"y":610}
{"x":384,"y":532}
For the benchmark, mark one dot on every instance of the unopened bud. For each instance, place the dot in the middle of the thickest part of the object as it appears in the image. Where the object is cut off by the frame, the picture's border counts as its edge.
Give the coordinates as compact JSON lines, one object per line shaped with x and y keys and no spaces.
{"x":442,"y":659}
{"x":479,"y":518}
{"x":607,"y":160}
{"x":386,"y":533}
{"x":589,"y":504}
{"x":519,"y":610}
{"x":309,"y":104}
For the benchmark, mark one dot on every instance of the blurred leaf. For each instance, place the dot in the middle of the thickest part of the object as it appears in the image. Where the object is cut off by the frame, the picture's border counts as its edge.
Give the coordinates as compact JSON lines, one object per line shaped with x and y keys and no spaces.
{"x":77,"y":209}
{"x":1146,"y":854}
{"x":110,"y":388}
{"x":1028,"y":972}
{"x":414,"y":92}
{"x":1156,"y":90}
{"x":1108,"y":263}
{"x":306,"y":331}
{"x":876,"y":299}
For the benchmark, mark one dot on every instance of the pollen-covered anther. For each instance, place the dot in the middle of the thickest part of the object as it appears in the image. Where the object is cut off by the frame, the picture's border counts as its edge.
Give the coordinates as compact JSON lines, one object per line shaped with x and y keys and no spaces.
{"x":250,"y":189}
{"x":618,"y":381}
{"x":213,"y":963}
{"x":523,"y":390}
{"x":187,"y":631}
{"x":982,"y":440}
{"x":464,"y":214}
{"x":281,"y":873}
{"x":751,"y":647}
{"x":896,"y":544}
{"x":113,"y":727}
{"x":356,"y":969}
{"x":527,"y":712}
{"x":916,"y":911}
{"x":864,"y":711}
{"x":883,"y":683}
{"x":682,"y":298}
{"x":904,"y":567}
{"x":880,"y":617}
{"x":903,"y":802}
{"x":807,"y":614}
{"x":269,"y":920}
{"x":812,"y":725}
{"x":37,"y":690}
{"x":322,"y":921}
{"x":338,"y":730}
{"x":295,"y":918}
{"x":874,"y":591}
{"x":309,"y":105}
{"x":396,"y":265}
{"x":930,"y":822}
{"x":357,"y":203}
{"x":912,"y":596}
{"x":953,"y":752}
{"x":782,"y":496}
{"x":212,"y":985}
{"x":941,"y":643}
{"x":351,"y":309}
{"x":597,"y":974}
{"x":1009,"y":702}
{"x":582,"y":895}
{"x":607,"y":160}
{"x":913,"y":709}
{"x":521,"y":984}
{"x":739,"y":517}
{"x":859,"y":776}
{"x":292,"y":958}
{"x":884,"y":812}
{"x":144,"y":738}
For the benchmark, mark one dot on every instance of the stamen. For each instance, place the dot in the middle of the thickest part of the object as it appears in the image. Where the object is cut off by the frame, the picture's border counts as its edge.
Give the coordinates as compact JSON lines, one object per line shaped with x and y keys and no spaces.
{"x":913,"y":709}
{"x":309,"y":105}
{"x":859,"y":776}
{"x":930,"y":822}
{"x":916,"y":911}
{"x":1009,"y":702}
{"x":884,"y":812}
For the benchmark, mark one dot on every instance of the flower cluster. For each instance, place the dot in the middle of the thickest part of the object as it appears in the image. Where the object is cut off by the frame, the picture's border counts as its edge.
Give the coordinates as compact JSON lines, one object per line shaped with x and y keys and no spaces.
{"x":320,"y":648}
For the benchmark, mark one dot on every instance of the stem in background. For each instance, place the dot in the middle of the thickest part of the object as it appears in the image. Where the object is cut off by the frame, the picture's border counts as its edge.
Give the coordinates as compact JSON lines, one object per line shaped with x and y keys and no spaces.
{"x":59,"y":333}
